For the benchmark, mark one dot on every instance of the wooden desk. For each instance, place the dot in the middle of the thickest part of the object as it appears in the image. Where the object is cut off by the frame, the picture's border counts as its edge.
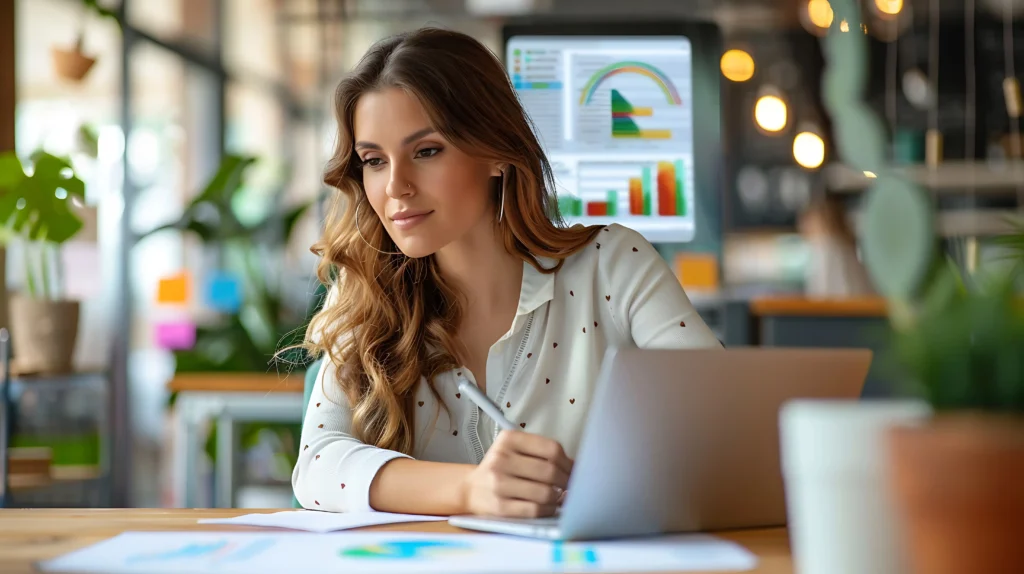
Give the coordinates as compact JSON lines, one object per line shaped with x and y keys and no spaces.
{"x":28,"y":536}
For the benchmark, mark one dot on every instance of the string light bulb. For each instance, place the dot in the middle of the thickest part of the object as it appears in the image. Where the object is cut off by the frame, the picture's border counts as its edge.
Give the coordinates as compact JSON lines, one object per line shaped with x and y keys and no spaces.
{"x":819,"y":12}
{"x":771,"y":112}
{"x":889,"y":7}
{"x":737,"y":65}
{"x":809,"y":150}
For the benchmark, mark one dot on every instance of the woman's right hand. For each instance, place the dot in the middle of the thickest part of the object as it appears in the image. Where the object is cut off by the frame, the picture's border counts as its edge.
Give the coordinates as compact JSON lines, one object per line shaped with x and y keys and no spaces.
{"x":523,"y":475}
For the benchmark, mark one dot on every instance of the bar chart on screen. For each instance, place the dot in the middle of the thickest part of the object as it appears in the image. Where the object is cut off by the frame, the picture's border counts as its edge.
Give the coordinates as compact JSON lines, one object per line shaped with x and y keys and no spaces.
{"x":653,"y":195}
{"x":615,"y":116}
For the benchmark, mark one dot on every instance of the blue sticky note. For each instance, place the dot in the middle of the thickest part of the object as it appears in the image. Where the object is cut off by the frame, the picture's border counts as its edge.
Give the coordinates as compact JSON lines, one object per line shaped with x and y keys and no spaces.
{"x":224,"y":292}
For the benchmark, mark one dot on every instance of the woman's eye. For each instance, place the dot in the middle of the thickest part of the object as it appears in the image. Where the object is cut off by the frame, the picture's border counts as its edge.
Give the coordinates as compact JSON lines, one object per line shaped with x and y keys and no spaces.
{"x":428,"y":152}
{"x":373,"y":162}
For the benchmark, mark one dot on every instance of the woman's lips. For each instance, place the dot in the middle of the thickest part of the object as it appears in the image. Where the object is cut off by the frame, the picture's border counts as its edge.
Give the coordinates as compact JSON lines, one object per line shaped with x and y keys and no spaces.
{"x":409,"y":221}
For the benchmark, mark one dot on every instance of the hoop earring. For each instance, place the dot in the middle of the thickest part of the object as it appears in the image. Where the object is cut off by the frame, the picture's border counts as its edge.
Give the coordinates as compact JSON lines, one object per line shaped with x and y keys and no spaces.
{"x":501,"y":202}
{"x":359,"y":232}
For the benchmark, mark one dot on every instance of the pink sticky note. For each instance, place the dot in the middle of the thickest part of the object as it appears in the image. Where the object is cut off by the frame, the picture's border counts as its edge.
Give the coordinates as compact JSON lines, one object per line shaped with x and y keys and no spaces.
{"x":176,"y":335}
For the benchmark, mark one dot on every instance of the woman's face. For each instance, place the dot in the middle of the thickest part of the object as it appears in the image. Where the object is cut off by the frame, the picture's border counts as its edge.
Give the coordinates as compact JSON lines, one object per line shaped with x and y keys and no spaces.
{"x":427,"y":192}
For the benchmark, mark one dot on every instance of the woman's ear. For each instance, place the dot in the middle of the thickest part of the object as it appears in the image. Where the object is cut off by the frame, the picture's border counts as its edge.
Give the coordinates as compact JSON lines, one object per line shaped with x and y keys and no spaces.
{"x":498,"y":169}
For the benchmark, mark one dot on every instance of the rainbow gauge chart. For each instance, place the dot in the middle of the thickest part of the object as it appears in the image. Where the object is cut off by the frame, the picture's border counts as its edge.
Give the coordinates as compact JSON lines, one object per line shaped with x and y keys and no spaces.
{"x":615,"y":117}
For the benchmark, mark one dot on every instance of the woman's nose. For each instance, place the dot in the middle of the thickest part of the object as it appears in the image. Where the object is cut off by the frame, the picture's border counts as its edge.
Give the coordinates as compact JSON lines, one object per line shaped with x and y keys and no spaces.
{"x":399,"y":185}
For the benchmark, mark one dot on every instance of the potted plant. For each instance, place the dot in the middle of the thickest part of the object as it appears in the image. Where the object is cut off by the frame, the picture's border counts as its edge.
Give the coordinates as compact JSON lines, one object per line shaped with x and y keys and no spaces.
{"x":958,"y":479}
{"x":72,"y":63}
{"x":249,"y":338}
{"x":36,"y":208}
{"x":954,"y":477}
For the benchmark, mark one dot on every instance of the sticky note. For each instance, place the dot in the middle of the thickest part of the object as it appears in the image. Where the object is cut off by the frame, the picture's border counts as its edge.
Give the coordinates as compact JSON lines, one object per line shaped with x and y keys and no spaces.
{"x":173,"y":289}
{"x":224,"y":292}
{"x":176,"y":335}
{"x":697,"y":270}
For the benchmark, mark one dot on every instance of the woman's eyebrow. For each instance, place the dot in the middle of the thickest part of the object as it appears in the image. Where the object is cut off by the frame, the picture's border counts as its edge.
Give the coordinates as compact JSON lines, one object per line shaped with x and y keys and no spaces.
{"x":408,"y":139}
{"x":417,"y":135}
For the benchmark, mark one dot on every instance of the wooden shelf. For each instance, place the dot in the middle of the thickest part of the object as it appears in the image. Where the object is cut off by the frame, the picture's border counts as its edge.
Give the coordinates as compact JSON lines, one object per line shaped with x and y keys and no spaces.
{"x":967,"y":222}
{"x":810,"y":307}
{"x":19,"y":373}
{"x":951,"y":177}
{"x":29,"y":467}
{"x":68,"y":472}
{"x":238,"y":382}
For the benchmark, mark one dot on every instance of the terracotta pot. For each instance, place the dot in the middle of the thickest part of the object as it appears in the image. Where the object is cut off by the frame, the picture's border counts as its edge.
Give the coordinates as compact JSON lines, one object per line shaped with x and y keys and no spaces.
{"x":958,"y":484}
{"x":71,"y":64}
{"x":43,"y":334}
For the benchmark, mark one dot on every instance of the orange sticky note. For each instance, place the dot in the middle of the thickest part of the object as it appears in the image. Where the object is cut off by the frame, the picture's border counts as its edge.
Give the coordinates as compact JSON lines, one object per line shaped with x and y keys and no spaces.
{"x":173,"y":289}
{"x":697,"y":271}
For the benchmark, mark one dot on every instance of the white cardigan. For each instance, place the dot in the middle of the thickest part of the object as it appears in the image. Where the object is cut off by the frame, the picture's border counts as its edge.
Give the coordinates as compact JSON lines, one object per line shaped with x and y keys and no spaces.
{"x":618,"y":291}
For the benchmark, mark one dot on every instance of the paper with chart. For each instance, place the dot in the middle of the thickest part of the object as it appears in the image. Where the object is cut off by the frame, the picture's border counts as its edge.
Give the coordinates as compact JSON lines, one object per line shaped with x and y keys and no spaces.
{"x":313,"y":521}
{"x":393,"y":552}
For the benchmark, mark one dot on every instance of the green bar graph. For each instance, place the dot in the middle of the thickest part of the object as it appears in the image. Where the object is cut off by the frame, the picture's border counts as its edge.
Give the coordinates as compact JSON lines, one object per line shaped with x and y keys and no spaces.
{"x":680,"y":189}
{"x":613,"y":202}
{"x":570,"y":206}
{"x":648,"y":186}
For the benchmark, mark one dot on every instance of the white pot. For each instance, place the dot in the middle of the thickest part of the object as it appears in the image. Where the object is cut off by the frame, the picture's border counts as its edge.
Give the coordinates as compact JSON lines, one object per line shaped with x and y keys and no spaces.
{"x":840,"y":512}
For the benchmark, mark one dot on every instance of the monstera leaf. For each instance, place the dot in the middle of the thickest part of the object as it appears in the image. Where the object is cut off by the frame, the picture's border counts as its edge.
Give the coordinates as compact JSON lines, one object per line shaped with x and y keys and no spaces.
{"x":39,"y":205}
{"x":210,"y":215}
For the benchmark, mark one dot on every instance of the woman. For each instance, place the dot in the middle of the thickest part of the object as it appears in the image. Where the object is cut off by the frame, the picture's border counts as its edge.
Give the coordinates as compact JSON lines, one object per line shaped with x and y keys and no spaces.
{"x":448,"y":266}
{"x":834,"y":269}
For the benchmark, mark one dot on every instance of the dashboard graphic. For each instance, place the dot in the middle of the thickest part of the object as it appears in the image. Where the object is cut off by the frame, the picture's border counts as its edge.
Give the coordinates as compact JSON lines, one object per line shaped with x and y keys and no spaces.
{"x":615,"y":117}
{"x":406,"y":550}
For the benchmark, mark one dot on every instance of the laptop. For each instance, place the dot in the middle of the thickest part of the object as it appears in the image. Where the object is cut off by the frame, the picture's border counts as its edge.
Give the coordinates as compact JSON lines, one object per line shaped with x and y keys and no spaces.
{"x":686,"y":441}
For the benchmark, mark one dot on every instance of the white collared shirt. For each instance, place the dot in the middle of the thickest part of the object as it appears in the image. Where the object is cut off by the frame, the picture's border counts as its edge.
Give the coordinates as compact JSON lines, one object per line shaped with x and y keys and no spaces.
{"x":617,"y":291}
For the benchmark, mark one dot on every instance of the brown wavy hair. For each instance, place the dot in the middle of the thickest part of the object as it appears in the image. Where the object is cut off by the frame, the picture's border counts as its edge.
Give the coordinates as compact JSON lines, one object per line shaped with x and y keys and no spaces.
{"x":390,"y":319}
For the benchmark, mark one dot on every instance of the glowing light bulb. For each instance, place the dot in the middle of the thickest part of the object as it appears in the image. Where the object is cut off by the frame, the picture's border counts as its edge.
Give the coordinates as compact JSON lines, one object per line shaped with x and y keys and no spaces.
{"x":889,"y":7}
{"x":819,"y":12}
{"x":737,"y":65}
{"x":809,"y":150}
{"x":771,"y":113}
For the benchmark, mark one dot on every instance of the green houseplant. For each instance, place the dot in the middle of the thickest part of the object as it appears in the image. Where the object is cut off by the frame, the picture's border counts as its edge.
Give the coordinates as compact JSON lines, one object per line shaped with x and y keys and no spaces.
{"x":955,"y":477}
{"x":248,"y":339}
{"x":958,"y":478}
{"x":36,"y":208}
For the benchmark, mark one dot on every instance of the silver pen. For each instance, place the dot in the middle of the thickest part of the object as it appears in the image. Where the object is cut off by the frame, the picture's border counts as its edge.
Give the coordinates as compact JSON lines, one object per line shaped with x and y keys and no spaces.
{"x":485,"y":404}
{"x":492,"y":410}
